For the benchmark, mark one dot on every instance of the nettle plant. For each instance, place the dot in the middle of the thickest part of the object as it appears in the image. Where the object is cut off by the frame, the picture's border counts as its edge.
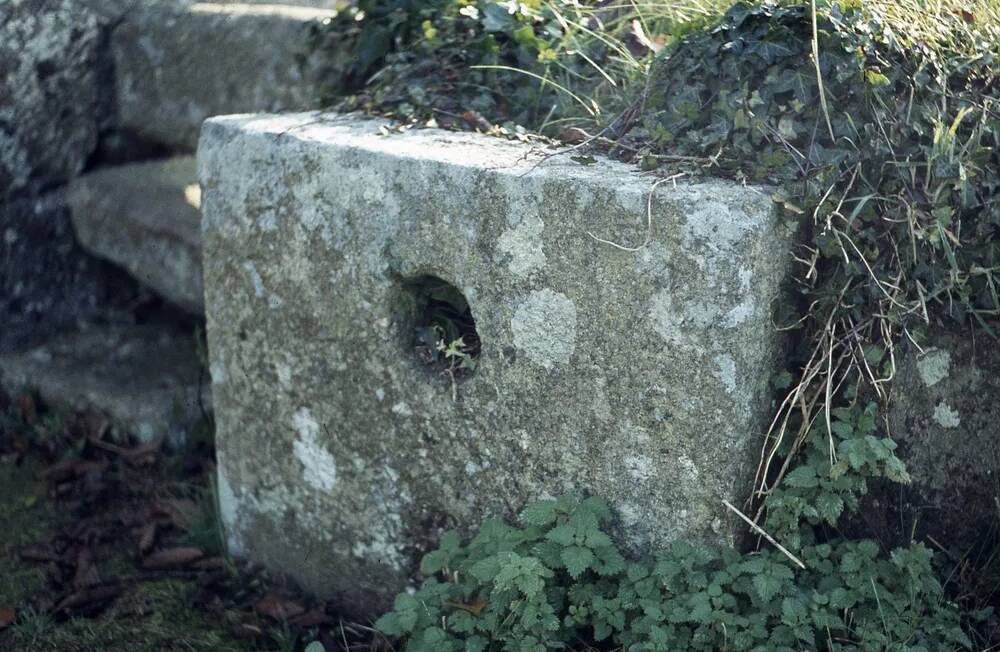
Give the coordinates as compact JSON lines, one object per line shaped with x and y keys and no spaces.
{"x":558,"y":582}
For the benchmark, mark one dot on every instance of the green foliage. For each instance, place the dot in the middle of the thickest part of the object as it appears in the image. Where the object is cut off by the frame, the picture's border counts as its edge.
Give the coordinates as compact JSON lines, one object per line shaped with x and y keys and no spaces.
{"x":558,"y":582}
{"x":518,"y":62}
{"x":887,"y":152}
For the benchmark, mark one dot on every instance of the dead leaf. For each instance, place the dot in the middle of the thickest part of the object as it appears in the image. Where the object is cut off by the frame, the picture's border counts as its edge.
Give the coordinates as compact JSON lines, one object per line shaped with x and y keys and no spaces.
{"x":476,"y":121}
{"x":38,"y":552}
{"x":574,"y":136}
{"x":147,"y":537}
{"x":27,"y":408}
{"x":311,"y":618}
{"x":7,"y":616}
{"x":88,"y":598}
{"x":473,"y":608}
{"x":211,"y":564}
{"x":279,"y":608}
{"x":145,"y":454}
{"x":246,"y":631}
{"x":172,"y":558}
{"x":86,"y":574}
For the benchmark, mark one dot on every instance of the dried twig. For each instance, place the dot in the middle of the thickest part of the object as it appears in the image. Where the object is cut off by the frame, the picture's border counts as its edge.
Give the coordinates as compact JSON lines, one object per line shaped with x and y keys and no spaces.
{"x":759,"y":530}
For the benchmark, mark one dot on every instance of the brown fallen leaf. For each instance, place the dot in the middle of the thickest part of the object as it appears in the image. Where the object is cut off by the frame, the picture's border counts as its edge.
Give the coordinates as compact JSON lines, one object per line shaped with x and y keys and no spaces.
{"x":473,"y":608}
{"x":311,"y":618}
{"x":7,"y":616}
{"x":38,"y":552}
{"x":147,"y":537}
{"x":246,"y":631}
{"x":574,"y":136}
{"x":274,"y":606}
{"x":172,"y":558}
{"x":145,"y":454}
{"x":64,"y":471}
{"x":475,"y":120}
{"x":86,"y":574}
{"x":211,"y":564}
{"x":27,"y":408}
{"x":88,"y":598}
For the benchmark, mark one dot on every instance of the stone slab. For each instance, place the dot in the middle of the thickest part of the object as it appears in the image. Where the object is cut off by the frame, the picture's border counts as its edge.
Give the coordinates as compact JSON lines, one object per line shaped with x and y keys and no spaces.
{"x":145,"y":217}
{"x":177,"y":63}
{"x":48,"y":92}
{"x":638,"y":375}
{"x":944,"y":414}
{"x":48,"y":283}
{"x":146,"y":378}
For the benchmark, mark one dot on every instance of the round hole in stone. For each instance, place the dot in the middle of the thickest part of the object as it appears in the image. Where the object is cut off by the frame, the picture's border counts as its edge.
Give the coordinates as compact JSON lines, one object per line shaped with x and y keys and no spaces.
{"x":443,"y":331}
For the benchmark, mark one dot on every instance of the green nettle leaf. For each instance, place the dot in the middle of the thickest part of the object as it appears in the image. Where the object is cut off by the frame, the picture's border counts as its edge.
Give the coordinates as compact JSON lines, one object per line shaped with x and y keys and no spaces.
{"x":564,"y":535}
{"x":577,"y":559}
{"x":767,"y":586}
{"x":803,"y":477}
{"x":540,"y":513}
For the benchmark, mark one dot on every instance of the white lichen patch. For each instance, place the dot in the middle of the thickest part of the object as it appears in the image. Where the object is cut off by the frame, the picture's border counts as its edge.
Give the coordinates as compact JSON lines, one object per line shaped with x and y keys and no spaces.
{"x":726,"y":371}
{"x":229,"y":509}
{"x":934,"y":366}
{"x":544,"y":327}
{"x":946,"y":416}
{"x":255,"y":278}
{"x":523,"y":244}
{"x":320,"y":468}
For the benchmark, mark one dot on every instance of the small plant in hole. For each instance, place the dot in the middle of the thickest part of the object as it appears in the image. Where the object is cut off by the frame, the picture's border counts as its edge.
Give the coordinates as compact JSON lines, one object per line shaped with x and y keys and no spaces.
{"x":445,"y":334}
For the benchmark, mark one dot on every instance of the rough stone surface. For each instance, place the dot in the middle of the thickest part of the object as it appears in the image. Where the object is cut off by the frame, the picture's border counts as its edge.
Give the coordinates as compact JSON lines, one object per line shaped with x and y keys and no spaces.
{"x":177,"y":64}
{"x":48,"y":283}
{"x":146,"y":378}
{"x":48,"y":92}
{"x":944,"y":415}
{"x":145,"y":217}
{"x":638,"y":376}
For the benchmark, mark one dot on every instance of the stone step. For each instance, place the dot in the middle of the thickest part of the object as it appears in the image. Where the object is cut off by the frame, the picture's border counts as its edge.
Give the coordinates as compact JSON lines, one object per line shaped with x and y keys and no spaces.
{"x":146,"y":378}
{"x":621,"y":352}
{"x":145,"y":217}
{"x":176,"y":64}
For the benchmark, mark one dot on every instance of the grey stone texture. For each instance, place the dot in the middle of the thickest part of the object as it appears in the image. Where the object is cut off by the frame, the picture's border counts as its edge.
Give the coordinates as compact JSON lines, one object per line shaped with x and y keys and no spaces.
{"x":48,"y":283}
{"x":945,"y":416}
{"x":146,"y":378}
{"x":145,"y":217}
{"x":48,"y":92}
{"x":177,"y":63}
{"x":635,"y":375}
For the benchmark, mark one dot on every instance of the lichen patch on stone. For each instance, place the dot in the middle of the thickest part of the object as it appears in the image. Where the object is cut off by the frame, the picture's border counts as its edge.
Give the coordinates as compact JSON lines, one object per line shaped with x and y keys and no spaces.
{"x":523,"y":244}
{"x":320,"y":466}
{"x":946,"y":416}
{"x":544,"y":327}
{"x":934,"y":366}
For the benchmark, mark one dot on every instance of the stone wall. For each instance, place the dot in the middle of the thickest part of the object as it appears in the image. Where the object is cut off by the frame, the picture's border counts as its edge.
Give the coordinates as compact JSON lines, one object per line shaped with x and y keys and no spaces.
{"x":99,"y":220}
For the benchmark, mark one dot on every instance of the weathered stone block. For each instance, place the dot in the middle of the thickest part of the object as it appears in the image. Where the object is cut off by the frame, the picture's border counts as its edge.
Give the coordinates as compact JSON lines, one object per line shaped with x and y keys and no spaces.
{"x":48,"y":283}
{"x":146,"y":378}
{"x":48,"y":92}
{"x":145,"y":217}
{"x":636,"y":375}
{"x":177,"y":64}
{"x":944,"y":414}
